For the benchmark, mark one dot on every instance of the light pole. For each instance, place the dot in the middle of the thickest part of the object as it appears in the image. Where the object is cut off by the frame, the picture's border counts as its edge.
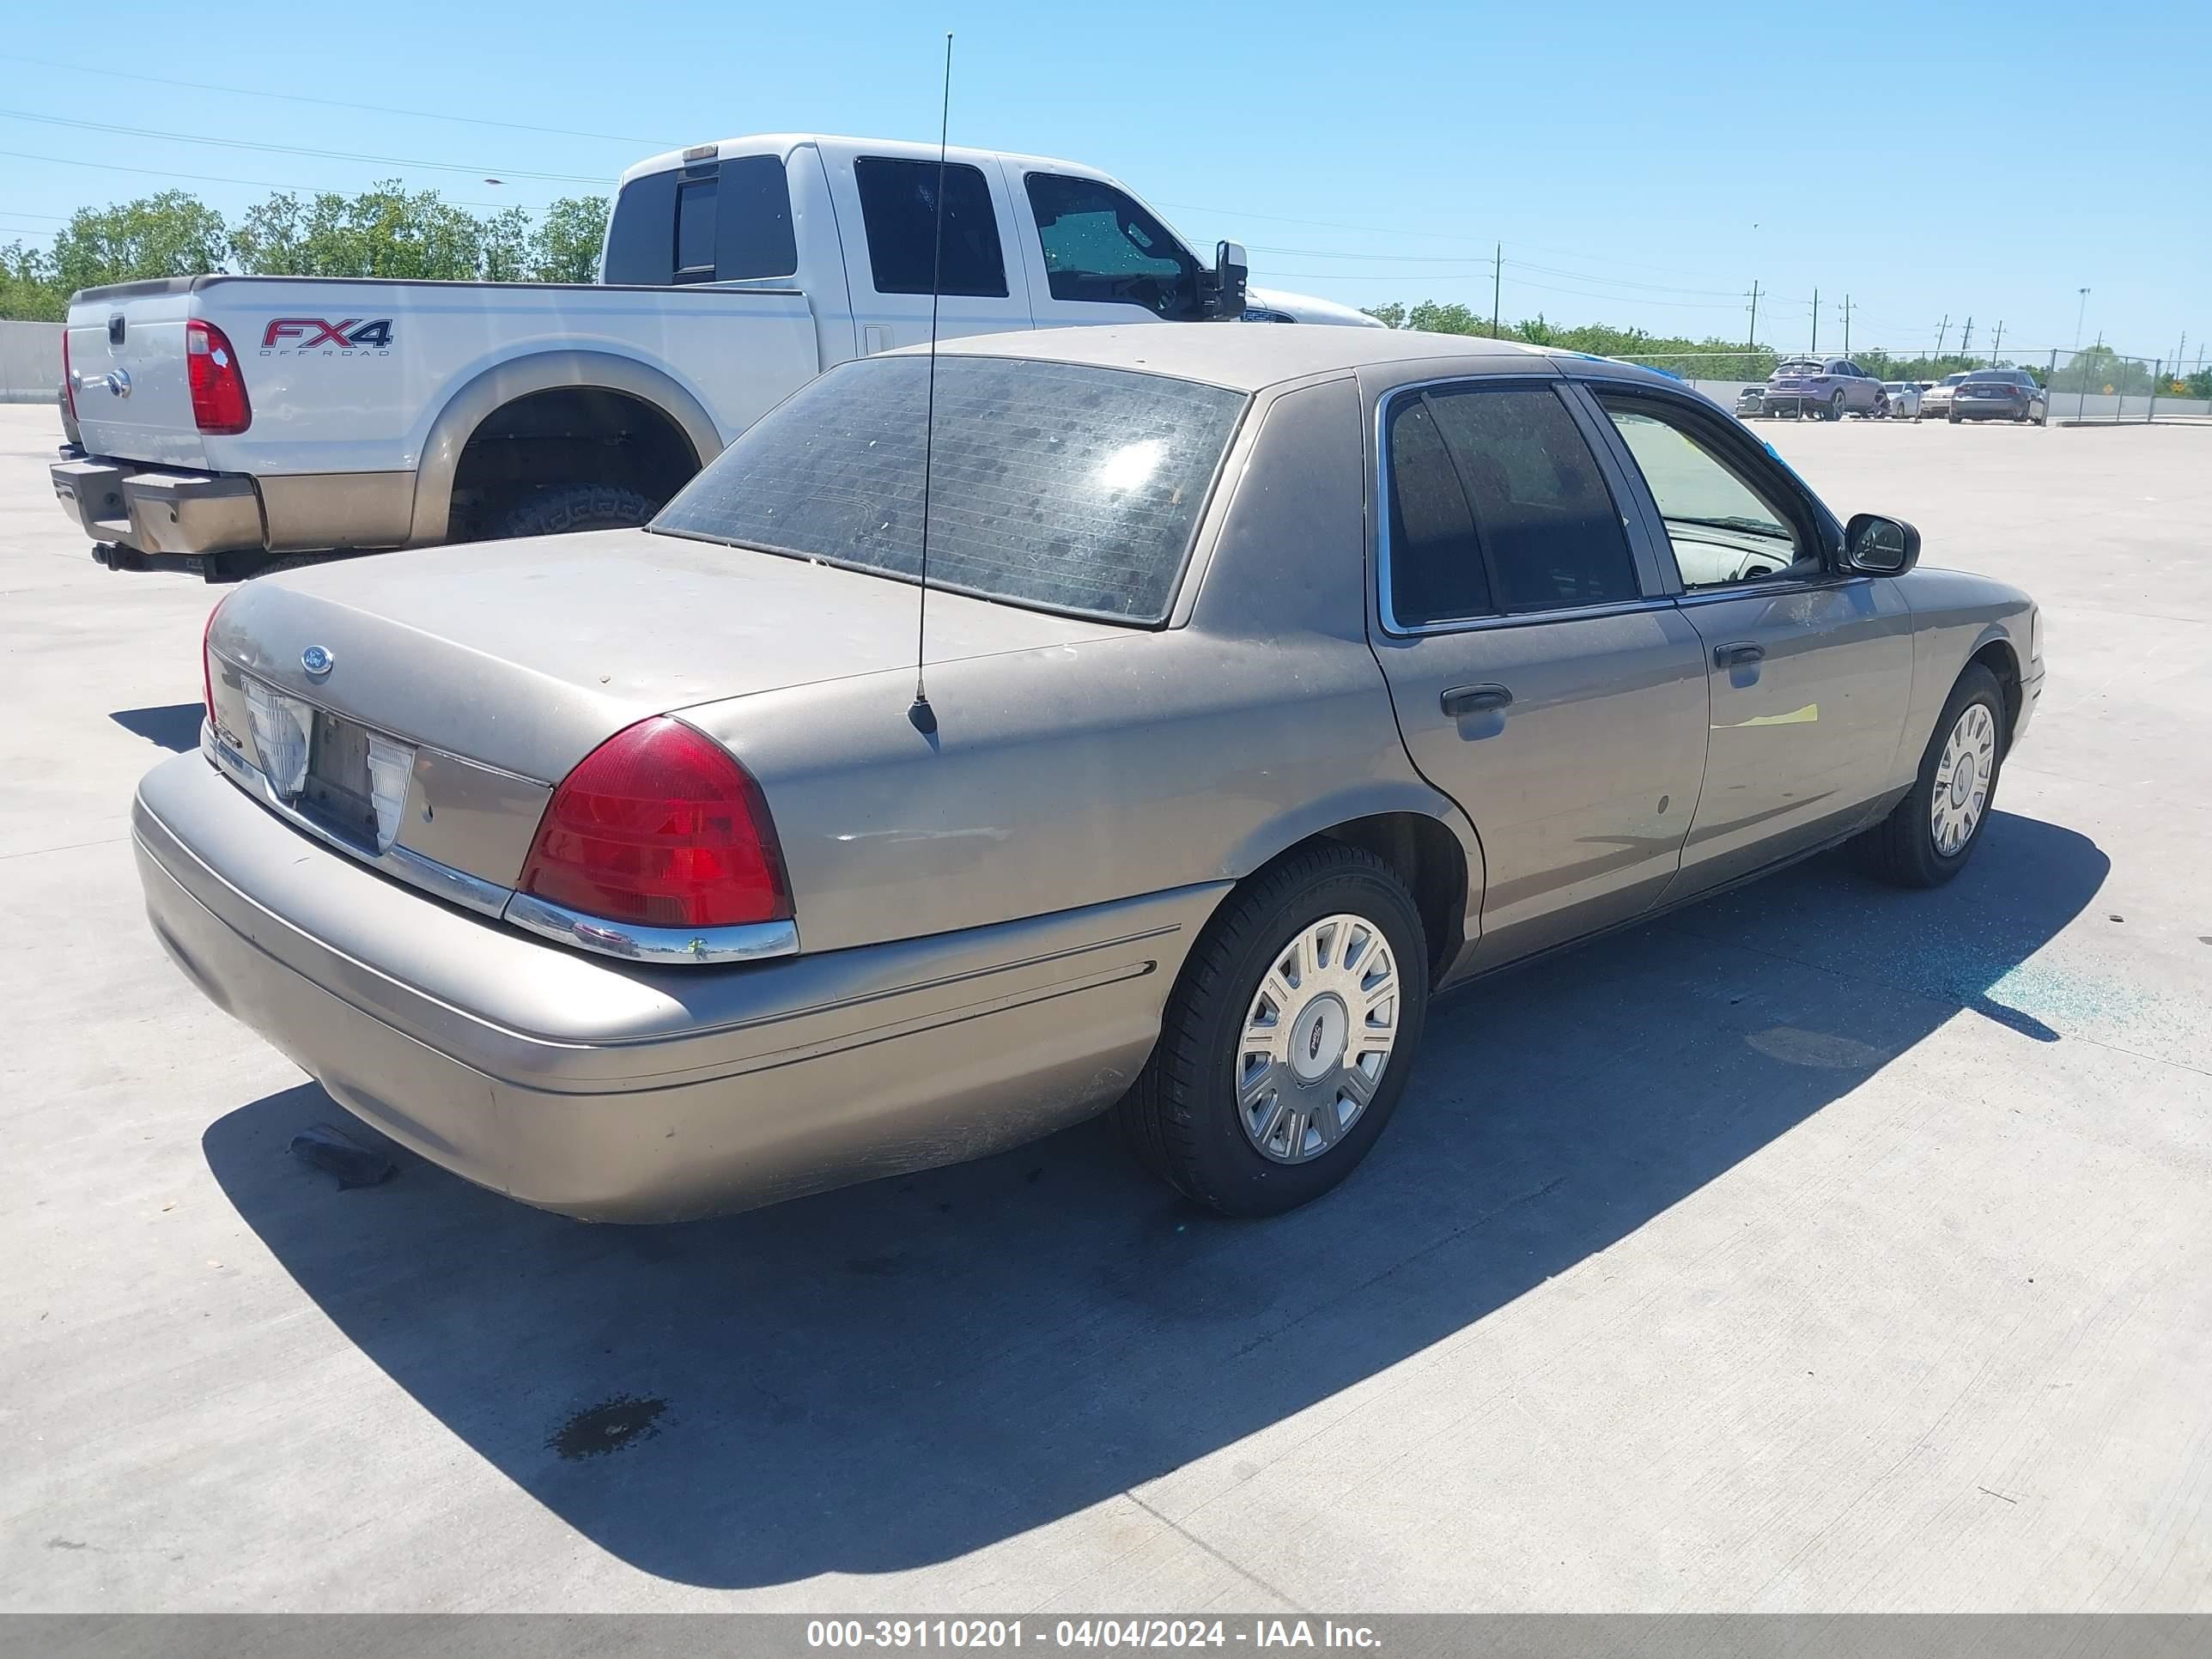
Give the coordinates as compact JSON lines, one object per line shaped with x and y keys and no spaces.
{"x":2079,"y":311}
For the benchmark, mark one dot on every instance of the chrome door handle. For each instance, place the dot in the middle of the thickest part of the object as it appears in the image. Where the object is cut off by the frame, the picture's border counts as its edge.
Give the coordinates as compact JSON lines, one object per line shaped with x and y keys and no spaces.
{"x":1738,"y":651}
{"x":1475,"y":699}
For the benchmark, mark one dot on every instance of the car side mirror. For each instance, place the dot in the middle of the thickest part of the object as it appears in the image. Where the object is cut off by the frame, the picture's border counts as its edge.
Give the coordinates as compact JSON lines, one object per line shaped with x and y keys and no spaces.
{"x":1231,"y":270}
{"x":1875,"y":546}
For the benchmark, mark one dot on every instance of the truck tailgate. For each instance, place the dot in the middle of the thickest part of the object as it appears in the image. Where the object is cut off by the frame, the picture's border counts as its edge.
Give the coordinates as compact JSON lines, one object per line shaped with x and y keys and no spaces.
{"x":126,"y":358}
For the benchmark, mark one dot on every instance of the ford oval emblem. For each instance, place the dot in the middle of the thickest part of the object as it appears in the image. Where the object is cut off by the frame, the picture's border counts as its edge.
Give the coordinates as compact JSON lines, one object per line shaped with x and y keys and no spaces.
{"x":317,"y":661}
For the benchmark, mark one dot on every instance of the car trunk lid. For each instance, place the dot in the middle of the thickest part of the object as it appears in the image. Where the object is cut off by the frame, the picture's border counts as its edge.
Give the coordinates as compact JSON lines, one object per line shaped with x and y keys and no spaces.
{"x":496,"y":668}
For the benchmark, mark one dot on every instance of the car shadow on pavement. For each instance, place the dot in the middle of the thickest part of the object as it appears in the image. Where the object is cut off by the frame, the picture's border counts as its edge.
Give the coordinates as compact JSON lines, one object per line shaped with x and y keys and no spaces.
{"x":173,"y":726}
{"x":897,"y":1374}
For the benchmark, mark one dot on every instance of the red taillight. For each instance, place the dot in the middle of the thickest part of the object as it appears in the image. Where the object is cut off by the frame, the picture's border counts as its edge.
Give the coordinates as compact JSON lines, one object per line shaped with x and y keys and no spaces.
{"x":68,"y":381}
{"x":660,"y":827}
{"x":219,"y":402}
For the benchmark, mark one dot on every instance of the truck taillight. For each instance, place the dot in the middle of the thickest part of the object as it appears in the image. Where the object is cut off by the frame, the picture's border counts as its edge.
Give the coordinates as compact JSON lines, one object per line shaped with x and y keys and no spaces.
{"x":660,"y":827}
{"x":69,"y":380}
{"x":219,"y":401}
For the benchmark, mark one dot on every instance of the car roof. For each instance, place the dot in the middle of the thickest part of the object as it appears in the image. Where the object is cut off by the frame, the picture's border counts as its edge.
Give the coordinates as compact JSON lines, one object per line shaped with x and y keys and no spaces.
{"x":1248,"y":357}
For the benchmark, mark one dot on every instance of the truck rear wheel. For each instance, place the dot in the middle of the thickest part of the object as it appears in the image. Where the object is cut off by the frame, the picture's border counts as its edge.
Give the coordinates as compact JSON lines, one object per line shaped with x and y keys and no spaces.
{"x":572,"y":507}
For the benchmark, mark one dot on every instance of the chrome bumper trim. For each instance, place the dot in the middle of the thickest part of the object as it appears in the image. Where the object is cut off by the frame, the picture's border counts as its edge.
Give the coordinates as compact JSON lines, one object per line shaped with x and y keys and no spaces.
{"x":754,"y":941}
{"x":470,"y":892}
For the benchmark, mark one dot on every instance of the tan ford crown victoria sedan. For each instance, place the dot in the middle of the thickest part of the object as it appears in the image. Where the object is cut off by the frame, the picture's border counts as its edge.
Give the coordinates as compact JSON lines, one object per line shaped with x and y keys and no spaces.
{"x":1276,"y":678}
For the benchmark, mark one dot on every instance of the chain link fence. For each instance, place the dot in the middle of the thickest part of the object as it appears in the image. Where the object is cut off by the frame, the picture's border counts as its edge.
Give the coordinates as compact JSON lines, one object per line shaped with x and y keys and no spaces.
{"x":2095,"y":386}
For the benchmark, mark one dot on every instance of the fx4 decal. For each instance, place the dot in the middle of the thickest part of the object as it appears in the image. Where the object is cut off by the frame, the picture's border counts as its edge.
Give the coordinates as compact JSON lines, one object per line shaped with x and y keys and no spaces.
{"x":299,"y":336}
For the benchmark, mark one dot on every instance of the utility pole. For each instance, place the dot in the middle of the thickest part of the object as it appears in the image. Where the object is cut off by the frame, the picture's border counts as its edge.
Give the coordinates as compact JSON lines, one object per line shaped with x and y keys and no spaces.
{"x":2079,"y":312}
{"x":1847,"y":309}
{"x":1497,"y":284}
{"x":1941,"y":329}
{"x":1751,"y":341}
{"x":1815,"y":346}
{"x":1966,"y":341}
{"x":1996,"y":342}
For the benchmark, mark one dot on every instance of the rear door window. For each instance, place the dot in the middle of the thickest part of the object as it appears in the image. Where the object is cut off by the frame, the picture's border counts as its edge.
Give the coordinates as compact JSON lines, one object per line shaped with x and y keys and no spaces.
{"x":898,"y":209}
{"x":1501,"y":506}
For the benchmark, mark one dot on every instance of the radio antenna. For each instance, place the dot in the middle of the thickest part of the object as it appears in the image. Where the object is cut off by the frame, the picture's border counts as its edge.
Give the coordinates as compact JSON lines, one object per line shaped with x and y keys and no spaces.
{"x":923,"y":717}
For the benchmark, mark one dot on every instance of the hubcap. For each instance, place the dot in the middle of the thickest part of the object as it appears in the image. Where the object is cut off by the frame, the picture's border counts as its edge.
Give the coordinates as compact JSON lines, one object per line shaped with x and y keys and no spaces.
{"x":1317,"y":1038}
{"x":1962,"y":780}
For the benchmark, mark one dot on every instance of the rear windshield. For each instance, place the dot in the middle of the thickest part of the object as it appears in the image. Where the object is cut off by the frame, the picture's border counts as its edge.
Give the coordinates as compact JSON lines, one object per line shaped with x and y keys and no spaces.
{"x":1065,"y":488}
{"x":1998,"y":377}
{"x":1799,"y":365}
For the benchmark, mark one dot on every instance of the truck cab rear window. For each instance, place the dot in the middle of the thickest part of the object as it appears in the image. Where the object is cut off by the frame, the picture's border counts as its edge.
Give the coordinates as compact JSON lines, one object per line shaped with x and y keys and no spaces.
{"x":898,"y":205}
{"x":1054,"y":485}
{"x":727,"y":223}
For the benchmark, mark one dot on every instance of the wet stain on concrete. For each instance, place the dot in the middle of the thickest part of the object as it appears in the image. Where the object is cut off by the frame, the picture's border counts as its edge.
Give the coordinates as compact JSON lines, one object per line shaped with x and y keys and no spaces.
{"x":597,"y":1430}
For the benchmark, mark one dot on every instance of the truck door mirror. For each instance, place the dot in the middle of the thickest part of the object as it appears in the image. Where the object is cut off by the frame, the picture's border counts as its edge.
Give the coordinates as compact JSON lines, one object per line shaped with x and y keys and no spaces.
{"x":1230,"y":269}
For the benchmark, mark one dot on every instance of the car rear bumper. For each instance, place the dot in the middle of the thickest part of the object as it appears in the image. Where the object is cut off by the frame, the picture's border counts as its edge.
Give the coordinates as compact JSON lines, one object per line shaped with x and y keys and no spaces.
{"x":161,"y":511}
{"x":615,"y":1093}
{"x":1990,"y":409}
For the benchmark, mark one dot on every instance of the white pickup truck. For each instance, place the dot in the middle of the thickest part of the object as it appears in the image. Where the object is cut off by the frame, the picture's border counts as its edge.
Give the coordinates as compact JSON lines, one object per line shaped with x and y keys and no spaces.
{"x":224,"y":424}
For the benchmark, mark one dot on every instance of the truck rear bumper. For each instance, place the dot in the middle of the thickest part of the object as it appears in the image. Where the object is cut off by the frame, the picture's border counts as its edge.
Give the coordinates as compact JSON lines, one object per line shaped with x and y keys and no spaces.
{"x":160,"y":511}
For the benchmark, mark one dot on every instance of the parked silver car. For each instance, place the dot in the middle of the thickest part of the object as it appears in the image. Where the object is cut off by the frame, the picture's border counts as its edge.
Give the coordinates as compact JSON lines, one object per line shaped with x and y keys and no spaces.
{"x":1901,"y":398}
{"x":1826,"y":388}
{"x":1275,"y":679}
{"x":1935,"y":400}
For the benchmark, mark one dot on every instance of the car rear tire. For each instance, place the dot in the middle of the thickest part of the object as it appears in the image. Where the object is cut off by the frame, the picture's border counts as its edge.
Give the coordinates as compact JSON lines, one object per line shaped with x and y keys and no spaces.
{"x":1954,"y":417}
{"x":573,"y":507}
{"x":1287,"y":1039}
{"x":1929,"y":835}
{"x":1836,"y":407}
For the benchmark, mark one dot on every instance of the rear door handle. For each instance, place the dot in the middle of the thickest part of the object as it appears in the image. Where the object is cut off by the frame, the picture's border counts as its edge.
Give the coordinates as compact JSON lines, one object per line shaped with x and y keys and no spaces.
{"x":1475,"y":699}
{"x":1738,"y":651}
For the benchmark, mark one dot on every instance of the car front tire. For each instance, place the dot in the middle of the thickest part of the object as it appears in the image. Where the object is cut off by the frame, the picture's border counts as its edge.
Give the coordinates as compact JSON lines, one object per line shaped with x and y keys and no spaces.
{"x":1929,"y":835}
{"x":1288,"y":1037}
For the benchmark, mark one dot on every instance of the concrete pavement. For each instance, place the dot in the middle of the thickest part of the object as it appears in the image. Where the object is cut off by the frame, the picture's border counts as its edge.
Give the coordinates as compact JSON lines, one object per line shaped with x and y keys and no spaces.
{"x":1823,"y":1247}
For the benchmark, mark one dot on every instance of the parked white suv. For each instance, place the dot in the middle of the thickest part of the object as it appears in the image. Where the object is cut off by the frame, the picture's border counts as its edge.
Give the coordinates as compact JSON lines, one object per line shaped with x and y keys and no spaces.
{"x":228,"y":423}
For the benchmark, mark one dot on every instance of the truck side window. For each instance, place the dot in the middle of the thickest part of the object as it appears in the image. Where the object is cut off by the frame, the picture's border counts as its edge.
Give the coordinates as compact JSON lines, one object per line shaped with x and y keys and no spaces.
{"x":898,"y":205}
{"x":1100,"y":245}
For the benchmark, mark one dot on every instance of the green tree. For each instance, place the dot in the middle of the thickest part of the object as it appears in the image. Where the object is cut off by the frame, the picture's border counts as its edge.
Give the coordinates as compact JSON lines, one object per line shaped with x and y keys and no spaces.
{"x":566,"y":245}
{"x":28,"y":292}
{"x":172,"y":234}
{"x":508,"y":246}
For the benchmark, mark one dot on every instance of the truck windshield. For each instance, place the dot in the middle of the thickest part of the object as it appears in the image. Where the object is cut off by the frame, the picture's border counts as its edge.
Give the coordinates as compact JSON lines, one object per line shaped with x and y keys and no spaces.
{"x":1053,"y":485}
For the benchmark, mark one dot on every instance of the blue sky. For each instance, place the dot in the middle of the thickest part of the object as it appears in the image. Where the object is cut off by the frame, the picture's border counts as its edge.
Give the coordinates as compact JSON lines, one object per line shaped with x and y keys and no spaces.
{"x":1642,"y":164}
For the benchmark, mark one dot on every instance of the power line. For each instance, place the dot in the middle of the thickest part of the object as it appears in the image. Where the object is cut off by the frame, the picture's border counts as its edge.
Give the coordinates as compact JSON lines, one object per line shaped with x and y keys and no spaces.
{"x":1431,"y":235}
{"x":1457,"y":260}
{"x":220,"y":179}
{"x":299,"y":149}
{"x":338,"y":103}
{"x":1485,"y":276}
